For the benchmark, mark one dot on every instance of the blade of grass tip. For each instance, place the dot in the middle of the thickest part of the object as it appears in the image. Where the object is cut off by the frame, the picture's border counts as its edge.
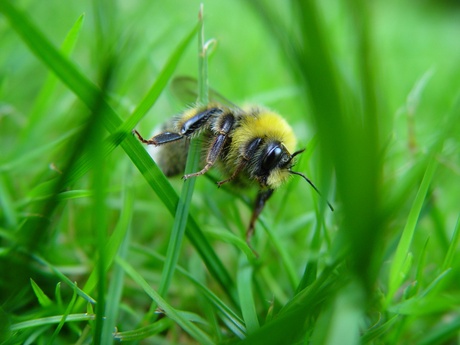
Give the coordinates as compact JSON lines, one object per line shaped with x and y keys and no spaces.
{"x":58,"y":295}
{"x":195,"y":332}
{"x":396,"y":274}
{"x":244,"y":284}
{"x":85,"y":90}
{"x":193,"y":159}
{"x":43,"y":299}
{"x":64,"y":278}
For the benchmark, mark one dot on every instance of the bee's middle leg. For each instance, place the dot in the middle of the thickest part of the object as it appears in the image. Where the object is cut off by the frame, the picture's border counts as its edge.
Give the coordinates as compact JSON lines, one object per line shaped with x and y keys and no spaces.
{"x":224,"y":127}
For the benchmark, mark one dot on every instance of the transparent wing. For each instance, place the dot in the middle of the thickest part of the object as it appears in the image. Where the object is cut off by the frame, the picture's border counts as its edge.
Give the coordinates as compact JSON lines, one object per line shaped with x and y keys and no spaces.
{"x":185,"y":88}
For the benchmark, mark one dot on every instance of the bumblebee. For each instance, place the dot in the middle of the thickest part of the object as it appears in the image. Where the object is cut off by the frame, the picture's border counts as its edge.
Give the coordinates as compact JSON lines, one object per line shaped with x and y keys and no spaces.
{"x":251,"y":145}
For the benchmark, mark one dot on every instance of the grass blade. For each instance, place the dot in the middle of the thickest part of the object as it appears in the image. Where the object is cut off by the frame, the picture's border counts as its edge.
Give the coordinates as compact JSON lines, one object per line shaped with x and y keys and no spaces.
{"x":182,"y":211}
{"x":449,"y":259}
{"x":245,"y":292}
{"x":51,"y":320}
{"x":396,"y":270}
{"x":41,"y":296}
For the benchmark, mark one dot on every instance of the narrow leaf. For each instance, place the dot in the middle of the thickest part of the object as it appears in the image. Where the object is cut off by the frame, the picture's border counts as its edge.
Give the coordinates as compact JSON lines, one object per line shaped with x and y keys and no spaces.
{"x":41,"y":296}
{"x":402,"y":251}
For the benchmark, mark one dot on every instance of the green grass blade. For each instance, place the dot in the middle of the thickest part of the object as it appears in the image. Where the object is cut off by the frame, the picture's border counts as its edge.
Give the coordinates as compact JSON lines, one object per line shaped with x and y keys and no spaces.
{"x":245,"y":292}
{"x":99,"y":180}
{"x":449,"y":259}
{"x":64,"y":278}
{"x":402,"y":251}
{"x":41,"y":296}
{"x":173,"y":314}
{"x":193,"y":159}
{"x":141,"y":333}
{"x":64,"y":318}
{"x":122,"y":236}
{"x":51,"y":320}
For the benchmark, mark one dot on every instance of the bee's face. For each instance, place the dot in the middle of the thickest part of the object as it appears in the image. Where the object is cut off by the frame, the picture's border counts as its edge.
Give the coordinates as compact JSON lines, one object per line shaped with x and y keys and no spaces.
{"x":275,"y":162}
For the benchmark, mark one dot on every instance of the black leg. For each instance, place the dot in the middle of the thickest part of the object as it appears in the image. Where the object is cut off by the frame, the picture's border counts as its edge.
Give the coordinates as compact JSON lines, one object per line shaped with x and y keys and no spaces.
{"x":217,"y":146}
{"x":261,"y":199}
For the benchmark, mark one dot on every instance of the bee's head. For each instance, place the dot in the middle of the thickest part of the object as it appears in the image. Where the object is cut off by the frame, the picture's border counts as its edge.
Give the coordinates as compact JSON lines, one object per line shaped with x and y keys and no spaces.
{"x":276,"y":166}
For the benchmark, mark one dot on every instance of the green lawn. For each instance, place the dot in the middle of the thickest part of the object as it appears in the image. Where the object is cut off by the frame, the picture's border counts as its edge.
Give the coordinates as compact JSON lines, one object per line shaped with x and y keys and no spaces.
{"x":98,"y":246}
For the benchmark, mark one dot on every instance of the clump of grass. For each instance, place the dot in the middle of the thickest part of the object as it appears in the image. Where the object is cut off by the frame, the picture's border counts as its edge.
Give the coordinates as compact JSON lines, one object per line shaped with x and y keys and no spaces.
{"x":91,"y":238}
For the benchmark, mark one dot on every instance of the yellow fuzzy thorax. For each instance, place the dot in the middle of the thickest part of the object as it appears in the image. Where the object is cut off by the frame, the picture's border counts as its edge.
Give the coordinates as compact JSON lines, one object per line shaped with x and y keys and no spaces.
{"x":266,"y":125}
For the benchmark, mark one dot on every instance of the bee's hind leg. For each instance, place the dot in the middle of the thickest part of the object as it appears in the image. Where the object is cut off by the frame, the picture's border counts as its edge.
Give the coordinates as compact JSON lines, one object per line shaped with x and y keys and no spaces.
{"x":224,"y":127}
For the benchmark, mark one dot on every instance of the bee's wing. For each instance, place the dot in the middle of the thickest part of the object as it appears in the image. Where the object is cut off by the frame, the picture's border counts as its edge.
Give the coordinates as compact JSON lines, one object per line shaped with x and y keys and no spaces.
{"x":185,"y":88}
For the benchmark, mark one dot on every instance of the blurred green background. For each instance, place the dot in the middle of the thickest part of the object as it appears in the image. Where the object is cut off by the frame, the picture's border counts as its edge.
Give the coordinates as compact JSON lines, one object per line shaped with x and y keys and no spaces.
{"x":371,"y":90}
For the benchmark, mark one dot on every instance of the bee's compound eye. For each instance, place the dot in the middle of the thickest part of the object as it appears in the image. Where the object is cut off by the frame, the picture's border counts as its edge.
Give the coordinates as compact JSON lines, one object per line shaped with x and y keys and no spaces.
{"x":272,"y":158}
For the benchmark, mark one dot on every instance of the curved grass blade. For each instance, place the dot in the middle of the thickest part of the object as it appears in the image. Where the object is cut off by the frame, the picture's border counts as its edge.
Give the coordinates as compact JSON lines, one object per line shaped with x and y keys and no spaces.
{"x":193,"y":158}
{"x":52,"y":320}
{"x":396,"y":270}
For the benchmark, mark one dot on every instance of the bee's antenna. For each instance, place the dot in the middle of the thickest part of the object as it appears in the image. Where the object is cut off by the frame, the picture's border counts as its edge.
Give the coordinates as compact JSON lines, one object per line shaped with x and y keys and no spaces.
{"x":297,"y":153}
{"x":311,"y":184}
